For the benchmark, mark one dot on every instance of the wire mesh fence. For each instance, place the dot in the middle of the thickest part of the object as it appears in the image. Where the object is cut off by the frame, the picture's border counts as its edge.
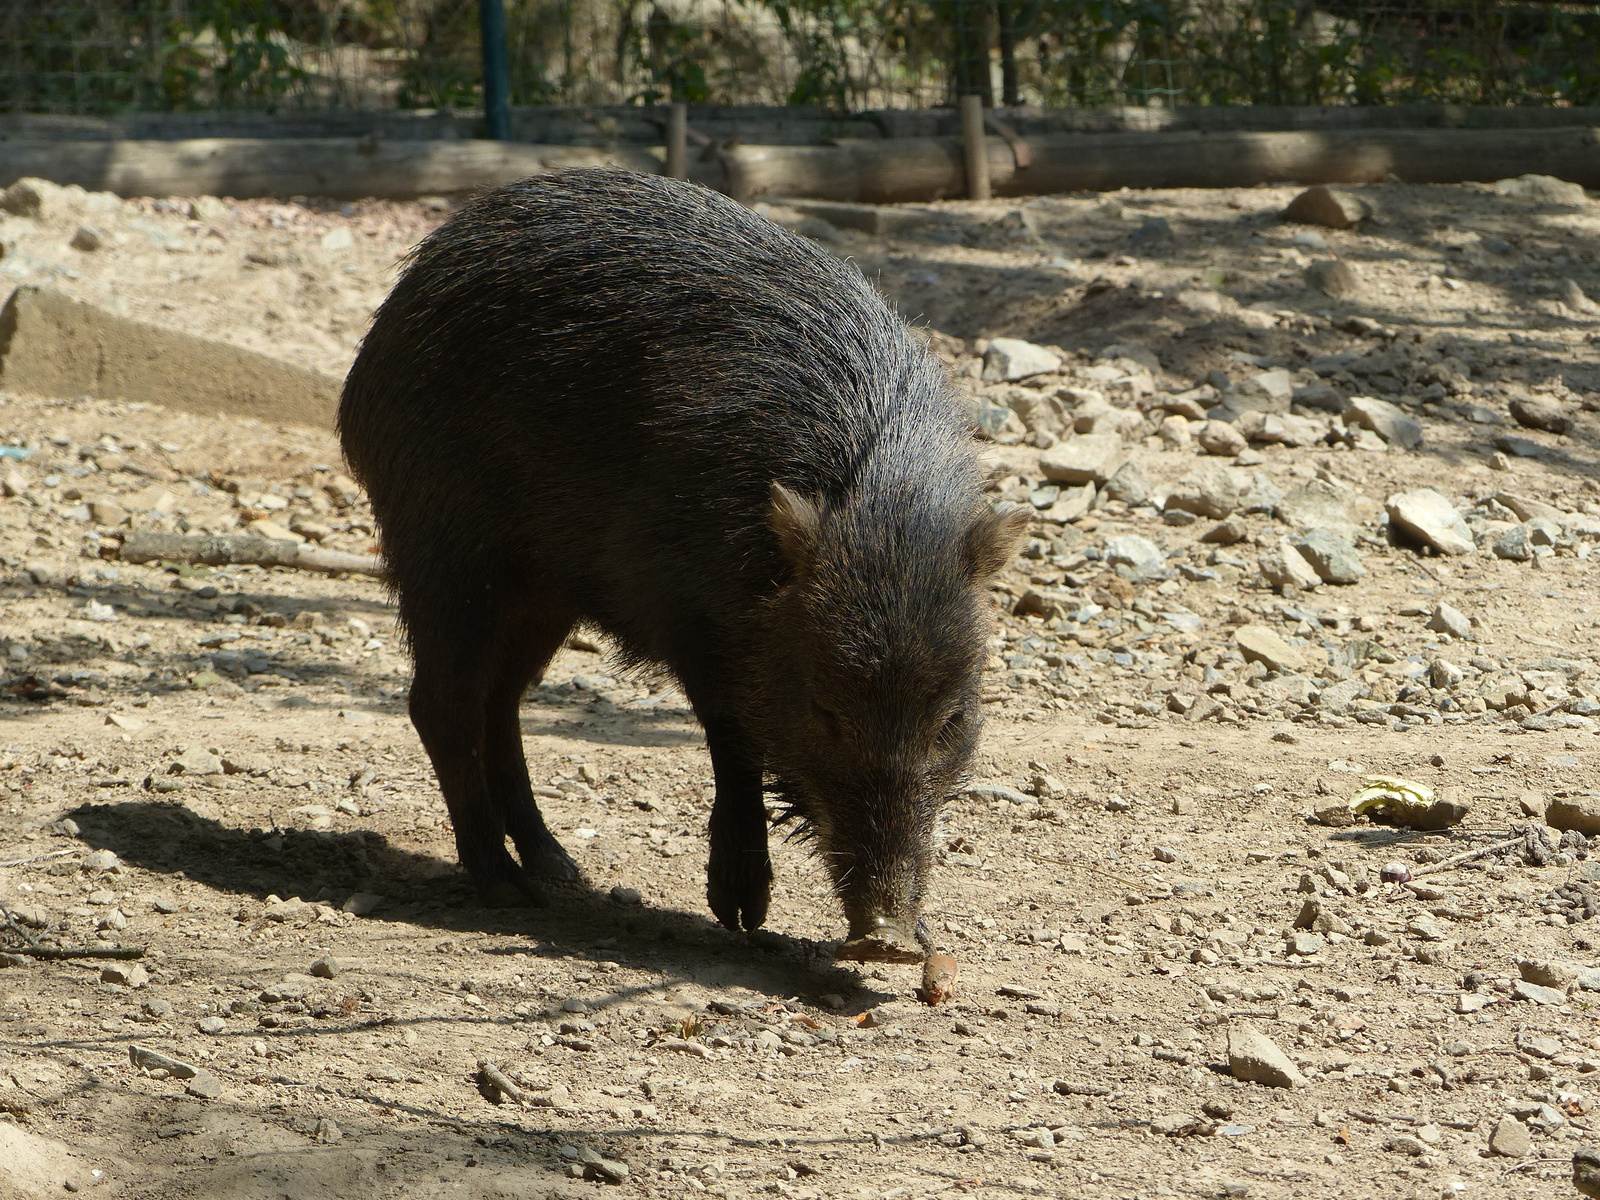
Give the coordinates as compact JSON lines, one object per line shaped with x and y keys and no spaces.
{"x":108,"y":56}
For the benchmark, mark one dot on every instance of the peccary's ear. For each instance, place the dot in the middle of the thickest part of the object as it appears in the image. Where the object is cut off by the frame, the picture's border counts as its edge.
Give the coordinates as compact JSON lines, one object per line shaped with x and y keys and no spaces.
{"x":797,"y":522}
{"x":993,"y":539}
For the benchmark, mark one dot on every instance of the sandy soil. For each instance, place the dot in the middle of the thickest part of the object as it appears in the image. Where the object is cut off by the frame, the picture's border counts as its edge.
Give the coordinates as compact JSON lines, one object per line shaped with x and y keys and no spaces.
{"x":1122,"y":886}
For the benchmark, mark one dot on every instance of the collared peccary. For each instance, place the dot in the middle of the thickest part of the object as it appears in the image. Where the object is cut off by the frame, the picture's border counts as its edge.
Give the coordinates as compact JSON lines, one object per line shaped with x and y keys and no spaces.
{"x":625,"y":401}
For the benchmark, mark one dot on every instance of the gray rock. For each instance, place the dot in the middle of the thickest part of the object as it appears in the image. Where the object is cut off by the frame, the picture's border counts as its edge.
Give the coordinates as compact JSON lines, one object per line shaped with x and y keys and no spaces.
{"x":1140,"y":554}
{"x":1446,"y":619}
{"x":196,"y":760}
{"x":1304,"y":944}
{"x":1130,"y":485}
{"x":1332,"y":557}
{"x":1541,"y":412}
{"x":1515,"y":544}
{"x":1090,"y":458}
{"x":1511,"y":1138}
{"x":1010,"y":359}
{"x":212,"y":1025}
{"x":1325,"y":206}
{"x":1427,"y":516}
{"x":327,"y":967}
{"x":1338,"y":697}
{"x":204,"y":1085}
{"x":101,"y":860}
{"x":129,"y":975}
{"x":1580,"y":812}
{"x":1543,"y":189}
{"x":1264,"y":392}
{"x":1156,"y":232}
{"x":1227,"y":533}
{"x":361,"y":903}
{"x":1283,"y":566}
{"x":22,"y":199}
{"x":1444,"y":674}
{"x":1207,"y":491}
{"x":1333,"y":277}
{"x":1219,"y":437}
{"x":1539,"y":1045}
{"x":1286,"y":429}
{"x":1523,"y":990}
{"x":1517,"y":447}
{"x":1576,"y":299}
{"x":1000,"y":425}
{"x":1137,"y":351}
{"x":1260,"y":644}
{"x":87,"y":239}
{"x":1388,"y":421}
{"x":1317,"y":505}
{"x":627,"y":895}
{"x":1256,"y":1058}
{"x":153,"y":1060}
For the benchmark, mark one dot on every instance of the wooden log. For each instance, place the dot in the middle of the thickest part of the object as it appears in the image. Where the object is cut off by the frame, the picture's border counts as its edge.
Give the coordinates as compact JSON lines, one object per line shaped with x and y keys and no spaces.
{"x":875,"y":170}
{"x":233,"y":549}
{"x":338,"y":168}
{"x":918,"y":169}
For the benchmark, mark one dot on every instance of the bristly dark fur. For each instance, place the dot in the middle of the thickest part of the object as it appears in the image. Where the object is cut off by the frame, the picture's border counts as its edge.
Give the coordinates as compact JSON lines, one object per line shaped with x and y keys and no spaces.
{"x":574,"y":406}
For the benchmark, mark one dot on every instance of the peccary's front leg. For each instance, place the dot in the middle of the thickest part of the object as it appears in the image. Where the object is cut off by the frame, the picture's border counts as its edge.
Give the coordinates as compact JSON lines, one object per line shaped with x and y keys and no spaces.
{"x":739,"y":878}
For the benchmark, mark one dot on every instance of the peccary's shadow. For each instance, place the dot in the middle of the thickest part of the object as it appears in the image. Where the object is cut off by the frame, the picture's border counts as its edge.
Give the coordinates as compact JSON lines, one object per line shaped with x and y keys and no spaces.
{"x":426,"y":891}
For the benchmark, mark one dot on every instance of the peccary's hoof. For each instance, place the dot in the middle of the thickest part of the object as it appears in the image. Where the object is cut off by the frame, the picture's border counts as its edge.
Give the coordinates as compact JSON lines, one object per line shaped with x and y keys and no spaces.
{"x":505,"y":893}
{"x":739,"y":888}
{"x":550,"y":862}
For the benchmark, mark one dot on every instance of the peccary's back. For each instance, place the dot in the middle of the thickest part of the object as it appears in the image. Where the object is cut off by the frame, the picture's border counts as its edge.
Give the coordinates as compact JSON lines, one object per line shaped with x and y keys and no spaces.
{"x":601,"y":374}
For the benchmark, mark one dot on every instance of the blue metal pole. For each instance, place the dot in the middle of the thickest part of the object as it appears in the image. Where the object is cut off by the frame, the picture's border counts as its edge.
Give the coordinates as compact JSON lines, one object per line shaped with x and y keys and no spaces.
{"x":496,"y":70}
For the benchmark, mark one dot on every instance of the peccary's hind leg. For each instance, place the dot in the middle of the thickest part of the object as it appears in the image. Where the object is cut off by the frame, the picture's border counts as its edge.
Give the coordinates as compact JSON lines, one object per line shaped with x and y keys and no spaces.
{"x":531,"y":637}
{"x":448,"y":707}
{"x":739,"y":876}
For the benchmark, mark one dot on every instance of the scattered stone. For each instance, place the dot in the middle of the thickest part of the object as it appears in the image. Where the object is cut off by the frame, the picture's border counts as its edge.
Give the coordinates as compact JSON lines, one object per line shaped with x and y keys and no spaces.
{"x":327,"y":967}
{"x":1304,"y":944}
{"x":1444,"y":674}
{"x":1265,"y":392}
{"x":86,"y":239}
{"x":1207,"y":491}
{"x":1153,"y":233}
{"x":1317,"y":505}
{"x":101,"y":860}
{"x":1545,"y":189}
{"x":1579,"y":811}
{"x":1143,"y":558}
{"x":196,"y":760}
{"x":1333,"y":277}
{"x":361,"y":903}
{"x":598,"y":1167}
{"x":1515,"y":544}
{"x":212,"y":1025}
{"x":1548,"y":974}
{"x":1254,"y":1057}
{"x":1388,"y":421}
{"x":1332,"y":557}
{"x":1426,"y":515}
{"x":153,"y":1060}
{"x":1575,"y":298}
{"x":1089,"y":458}
{"x":1227,"y":533}
{"x":1518,"y":447}
{"x":204,"y":1085}
{"x":1446,"y":619}
{"x":1337,"y":698}
{"x":1511,"y":1138}
{"x":1283,"y":566}
{"x":1010,"y":359}
{"x":1523,"y":990}
{"x":627,"y":895}
{"x":327,"y":1131}
{"x":23,"y":198}
{"x":129,"y":975}
{"x":1130,"y":485}
{"x":1328,"y":207}
{"x":1541,"y":412}
{"x":1260,"y":644}
{"x":1221,"y":438}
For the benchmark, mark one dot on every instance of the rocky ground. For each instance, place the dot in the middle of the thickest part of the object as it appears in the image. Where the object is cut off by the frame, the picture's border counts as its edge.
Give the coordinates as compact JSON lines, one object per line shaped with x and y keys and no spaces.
{"x":1287,"y":540}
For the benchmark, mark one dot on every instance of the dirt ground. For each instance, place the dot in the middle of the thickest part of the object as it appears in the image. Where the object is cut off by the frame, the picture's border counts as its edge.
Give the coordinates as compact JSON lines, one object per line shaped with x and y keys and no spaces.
{"x":216,"y":765}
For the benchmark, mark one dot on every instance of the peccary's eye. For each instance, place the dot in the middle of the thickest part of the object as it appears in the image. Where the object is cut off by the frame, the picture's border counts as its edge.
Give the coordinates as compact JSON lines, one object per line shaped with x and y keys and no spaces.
{"x":954,"y":725}
{"x":823,"y":717}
